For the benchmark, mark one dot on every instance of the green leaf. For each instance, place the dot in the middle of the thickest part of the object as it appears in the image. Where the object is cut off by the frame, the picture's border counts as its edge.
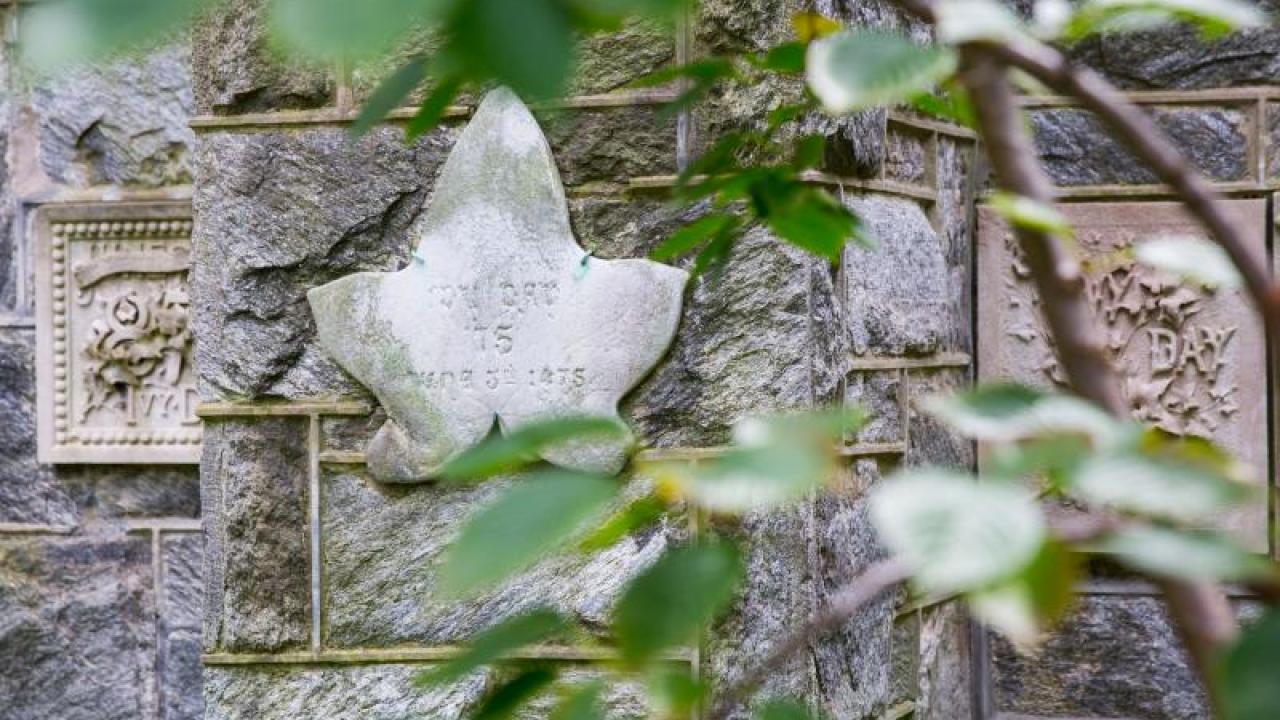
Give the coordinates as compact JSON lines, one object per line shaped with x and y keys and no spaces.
{"x":1157,"y":487}
{"x":508,"y":697}
{"x":708,"y":70}
{"x":810,"y":26}
{"x":433,"y":107}
{"x":1054,"y":459}
{"x":866,"y":68}
{"x":638,"y":514}
{"x":1213,"y":17}
{"x":952,"y":106}
{"x":670,"y":603}
{"x":533,"y":518}
{"x":495,"y":643}
{"x":784,"y":710}
{"x":1025,"y":605}
{"x":1006,"y":412}
{"x":961,"y":21}
{"x":389,"y":94}
{"x":743,"y":480}
{"x":695,"y":234}
{"x":810,"y":151}
{"x":1183,"y":554}
{"x":955,"y":534}
{"x":675,"y":692}
{"x":1193,"y":258}
{"x":787,"y":58}
{"x":1249,"y":674}
{"x":54,"y":35}
{"x":345,"y":31}
{"x":510,"y":451}
{"x":582,"y":703}
{"x":1025,"y":213}
{"x":812,"y":220}
{"x":527,"y":45}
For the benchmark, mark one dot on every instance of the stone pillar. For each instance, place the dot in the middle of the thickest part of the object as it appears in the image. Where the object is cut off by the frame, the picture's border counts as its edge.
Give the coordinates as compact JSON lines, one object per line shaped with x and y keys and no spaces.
{"x":318,"y":578}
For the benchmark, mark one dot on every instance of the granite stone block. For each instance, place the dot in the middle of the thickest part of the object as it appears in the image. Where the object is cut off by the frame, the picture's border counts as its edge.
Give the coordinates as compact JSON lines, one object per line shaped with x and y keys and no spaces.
{"x":29,"y":492}
{"x":1077,"y":150}
{"x":382,"y":544}
{"x":236,"y":70}
{"x":77,"y":629}
{"x":257,"y":551}
{"x":898,"y":294}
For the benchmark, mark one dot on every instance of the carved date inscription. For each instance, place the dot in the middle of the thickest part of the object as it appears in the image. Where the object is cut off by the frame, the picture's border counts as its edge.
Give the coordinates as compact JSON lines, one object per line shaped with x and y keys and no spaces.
{"x":1192,"y":359}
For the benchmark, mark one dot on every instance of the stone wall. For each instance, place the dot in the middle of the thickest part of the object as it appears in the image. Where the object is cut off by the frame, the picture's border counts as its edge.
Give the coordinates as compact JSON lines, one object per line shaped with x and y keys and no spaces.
{"x":99,"y":565}
{"x":318,"y":578}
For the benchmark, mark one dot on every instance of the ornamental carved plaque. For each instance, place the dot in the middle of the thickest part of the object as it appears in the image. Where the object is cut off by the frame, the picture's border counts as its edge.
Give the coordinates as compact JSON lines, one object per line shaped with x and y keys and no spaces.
{"x":113,"y":341}
{"x":1193,"y":360}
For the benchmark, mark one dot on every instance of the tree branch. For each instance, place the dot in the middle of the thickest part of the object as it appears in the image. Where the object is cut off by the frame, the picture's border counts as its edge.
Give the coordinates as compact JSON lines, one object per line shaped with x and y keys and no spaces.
{"x":846,"y":601}
{"x":1140,"y":134}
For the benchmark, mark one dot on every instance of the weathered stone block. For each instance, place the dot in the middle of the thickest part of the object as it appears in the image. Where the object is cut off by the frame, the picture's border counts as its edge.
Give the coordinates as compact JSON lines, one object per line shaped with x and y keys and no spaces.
{"x":1178,"y":59}
{"x":610,"y":144}
{"x":257,"y":549}
{"x":124,"y":123}
{"x":907,"y":157}
{"x":382,"y":692}
{"x":77,"y":639}
{"x":881,"y":393}
{"x":381,"y":546}
{"x":1077,"y":150}
{"x":357,"y":692}
{"x":946,"y":679}
{"x":278,"y":214}
{"x":930,"y":442}
{"x":1116,"y":656}
{"x":29,"y":491}
{"x":616,"y":226}
{"x":181,"y":616}
{"x":608,"y":61}
{"x":762,"y":336}
{"x":956,"y":220}
{"x":898,"y":295}
{"x":107,"y":495}
{"x":235,"y":70}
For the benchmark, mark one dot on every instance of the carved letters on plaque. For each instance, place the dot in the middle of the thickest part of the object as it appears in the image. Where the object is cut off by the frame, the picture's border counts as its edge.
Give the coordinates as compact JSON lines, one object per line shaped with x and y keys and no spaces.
{"x":114,"y":340}
{"x":1192,"y":359}
{"x":500,"y":314}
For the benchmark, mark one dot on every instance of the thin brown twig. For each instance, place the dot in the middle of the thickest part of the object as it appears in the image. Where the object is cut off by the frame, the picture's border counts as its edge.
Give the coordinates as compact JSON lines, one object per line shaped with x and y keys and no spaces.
{"x":874,"y":581}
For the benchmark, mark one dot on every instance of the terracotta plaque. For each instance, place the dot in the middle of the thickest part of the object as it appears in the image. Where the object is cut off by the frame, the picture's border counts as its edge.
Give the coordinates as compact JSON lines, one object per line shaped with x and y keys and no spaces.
{"x":115,"y":382}
{"x":1193,"y":360}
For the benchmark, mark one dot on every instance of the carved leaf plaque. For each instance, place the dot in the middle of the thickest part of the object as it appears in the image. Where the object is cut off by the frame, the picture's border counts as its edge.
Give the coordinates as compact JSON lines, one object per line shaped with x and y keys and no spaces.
{"x":499,"y":314}
{"x":1193,"y":360}
{"x":114,"y":375}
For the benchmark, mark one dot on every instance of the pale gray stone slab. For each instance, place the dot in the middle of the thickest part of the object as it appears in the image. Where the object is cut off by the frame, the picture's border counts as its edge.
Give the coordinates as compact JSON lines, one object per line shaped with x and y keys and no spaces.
{"x":499,"y":314}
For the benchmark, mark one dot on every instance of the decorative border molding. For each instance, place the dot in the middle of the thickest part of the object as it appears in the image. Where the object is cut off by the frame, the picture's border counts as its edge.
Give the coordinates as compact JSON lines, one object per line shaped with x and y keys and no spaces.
{"x":58,"y":441}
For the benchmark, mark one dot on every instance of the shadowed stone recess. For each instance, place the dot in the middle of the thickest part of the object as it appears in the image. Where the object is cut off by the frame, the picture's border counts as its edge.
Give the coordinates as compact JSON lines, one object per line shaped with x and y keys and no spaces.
{"x":77,"y":629}
{"x":29,"y":491}
{"x":501,"y":315}
{"x":929,"y":441}
{"x":898,"y":295}
{"x":278,"y":214}
{"x":236,"y":71}
{"x":123,"y":123}
{"x":1078,"y":150}
{"x":181,"y":616}
{"x":257,"y":566}
{"x":381,"y":546}
{"x":762,"y":336}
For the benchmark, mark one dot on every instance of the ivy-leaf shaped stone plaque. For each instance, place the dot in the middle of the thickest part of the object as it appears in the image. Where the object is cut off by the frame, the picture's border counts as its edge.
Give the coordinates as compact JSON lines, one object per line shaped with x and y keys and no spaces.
{"x":499,"y":314}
